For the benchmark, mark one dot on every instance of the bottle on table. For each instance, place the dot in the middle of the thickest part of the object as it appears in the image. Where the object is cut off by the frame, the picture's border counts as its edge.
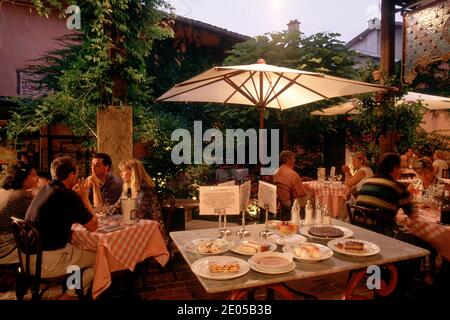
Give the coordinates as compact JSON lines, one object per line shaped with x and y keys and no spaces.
{"x":309,"y":211}
{"x":295,"y":213}
{"x":318,"y":215}
{"x":326,"y":216}
{"x":445,"y":208}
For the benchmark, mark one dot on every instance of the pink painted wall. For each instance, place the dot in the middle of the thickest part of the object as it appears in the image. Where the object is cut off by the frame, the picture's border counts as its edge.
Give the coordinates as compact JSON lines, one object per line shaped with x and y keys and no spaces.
{"x":24,"y":36}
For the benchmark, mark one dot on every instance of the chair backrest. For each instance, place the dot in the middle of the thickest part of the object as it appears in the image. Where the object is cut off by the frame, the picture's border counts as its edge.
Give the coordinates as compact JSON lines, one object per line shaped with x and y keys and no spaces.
{"x":368,"y":218}
{"x":167,"y":202}
{"x":28,"y":243}
{"x":446,"y":173}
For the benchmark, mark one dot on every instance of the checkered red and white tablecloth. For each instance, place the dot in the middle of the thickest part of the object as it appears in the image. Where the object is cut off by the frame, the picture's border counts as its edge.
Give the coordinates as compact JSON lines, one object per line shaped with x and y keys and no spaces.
{"x":326,"y":188}
{"x":330,"y":194}
{"x":427,"y":228}
{"x":121,"y":249}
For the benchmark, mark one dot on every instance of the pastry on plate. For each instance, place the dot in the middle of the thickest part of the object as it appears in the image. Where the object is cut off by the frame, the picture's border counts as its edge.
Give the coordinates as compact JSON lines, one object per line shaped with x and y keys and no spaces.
{"x":308,"y":252}
{"x":231,"y":267}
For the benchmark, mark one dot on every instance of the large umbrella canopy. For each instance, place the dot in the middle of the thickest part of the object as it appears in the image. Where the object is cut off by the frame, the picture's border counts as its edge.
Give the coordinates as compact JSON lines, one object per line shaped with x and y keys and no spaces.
{"x":264,"y":86}
{"x":429,"y":102}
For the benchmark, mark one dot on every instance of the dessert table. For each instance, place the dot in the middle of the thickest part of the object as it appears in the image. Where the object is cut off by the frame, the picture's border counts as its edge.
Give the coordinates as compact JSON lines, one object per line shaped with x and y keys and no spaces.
{"x":331,"y":194}
{"x":392,"y":251}
{"x":120,"y":249}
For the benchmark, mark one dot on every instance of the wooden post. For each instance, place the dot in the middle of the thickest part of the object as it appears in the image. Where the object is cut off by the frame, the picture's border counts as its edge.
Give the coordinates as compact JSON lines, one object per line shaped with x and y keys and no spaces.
{"x":387,"y":48}
{"x":387,"y":56}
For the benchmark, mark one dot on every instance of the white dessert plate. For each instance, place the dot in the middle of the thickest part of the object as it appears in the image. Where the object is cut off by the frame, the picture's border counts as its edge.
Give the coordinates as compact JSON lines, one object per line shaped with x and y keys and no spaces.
{"x":324,"y":252}
{"x":370,"y":248}
{"x":208,"y":246}
{"x":270,"y":246}
{"x":201,"y":267}
{"x":290,"y":267}
{"x":347,"y":232}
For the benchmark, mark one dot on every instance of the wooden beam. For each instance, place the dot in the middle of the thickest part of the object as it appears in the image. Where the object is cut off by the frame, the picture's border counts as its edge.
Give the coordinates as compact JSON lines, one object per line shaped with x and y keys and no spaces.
{"x":387,"y":49}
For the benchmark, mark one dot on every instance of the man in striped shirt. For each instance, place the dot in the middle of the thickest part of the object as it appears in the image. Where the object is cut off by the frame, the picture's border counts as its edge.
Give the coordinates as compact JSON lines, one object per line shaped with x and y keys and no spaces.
{"x":383,"y":191}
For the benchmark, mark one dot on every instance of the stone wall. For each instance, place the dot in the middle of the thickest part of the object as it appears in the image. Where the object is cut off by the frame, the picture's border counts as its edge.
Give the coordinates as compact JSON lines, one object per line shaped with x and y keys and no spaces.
{"x":115,"y":134}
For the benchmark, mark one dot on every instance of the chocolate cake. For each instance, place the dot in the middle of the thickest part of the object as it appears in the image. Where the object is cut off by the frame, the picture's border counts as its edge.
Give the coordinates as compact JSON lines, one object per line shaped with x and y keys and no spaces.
{"x":326,"y":232}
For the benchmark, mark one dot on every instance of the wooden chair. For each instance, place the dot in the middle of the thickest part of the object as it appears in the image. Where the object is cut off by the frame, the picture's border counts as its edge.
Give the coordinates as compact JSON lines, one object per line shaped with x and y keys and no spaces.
{"x":29,"y":243}
{"x":378,"y":221}
{"x":371,"y":219}
{"x":167,"y":202}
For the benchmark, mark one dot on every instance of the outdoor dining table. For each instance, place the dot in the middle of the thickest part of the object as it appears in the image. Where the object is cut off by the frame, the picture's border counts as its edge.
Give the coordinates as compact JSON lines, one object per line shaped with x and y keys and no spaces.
{"x":121,"y":249}
{"x":392,"y":251}
{"x":330,"y":194}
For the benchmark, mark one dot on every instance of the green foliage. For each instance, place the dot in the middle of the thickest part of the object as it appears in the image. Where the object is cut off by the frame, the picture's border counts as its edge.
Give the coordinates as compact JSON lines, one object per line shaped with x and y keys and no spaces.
{"x":377,"y":119}
{"x":428,"y":143}
{"x":104,"y":65}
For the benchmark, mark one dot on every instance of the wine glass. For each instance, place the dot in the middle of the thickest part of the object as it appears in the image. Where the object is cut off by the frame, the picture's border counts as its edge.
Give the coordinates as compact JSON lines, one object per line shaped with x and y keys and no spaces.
{"x":102,"y":211}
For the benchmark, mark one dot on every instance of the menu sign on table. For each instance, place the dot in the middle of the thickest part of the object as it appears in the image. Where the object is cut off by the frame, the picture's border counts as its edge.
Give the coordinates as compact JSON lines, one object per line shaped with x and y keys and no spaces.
{"x":219,"y":200}
{"x":267,"y":195}
{"x":244,"y":195}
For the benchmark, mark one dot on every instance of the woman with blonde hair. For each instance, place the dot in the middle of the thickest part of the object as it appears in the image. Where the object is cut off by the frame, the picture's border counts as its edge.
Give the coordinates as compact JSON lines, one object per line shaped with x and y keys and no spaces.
{"x":142,"y":187}
{"x":362,"y":172}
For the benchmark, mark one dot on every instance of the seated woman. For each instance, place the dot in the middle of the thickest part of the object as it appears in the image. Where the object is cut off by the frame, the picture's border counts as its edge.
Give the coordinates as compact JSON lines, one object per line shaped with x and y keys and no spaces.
{"x":425,"y":170}
{"x":14,"y":201}
{"x":363,"y":172}
{"x":142,"y":187}
{"x":439,"y":163}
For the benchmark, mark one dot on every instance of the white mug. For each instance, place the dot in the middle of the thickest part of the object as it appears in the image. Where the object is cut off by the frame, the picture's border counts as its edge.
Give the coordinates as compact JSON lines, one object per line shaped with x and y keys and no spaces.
{"x":129,"y":210}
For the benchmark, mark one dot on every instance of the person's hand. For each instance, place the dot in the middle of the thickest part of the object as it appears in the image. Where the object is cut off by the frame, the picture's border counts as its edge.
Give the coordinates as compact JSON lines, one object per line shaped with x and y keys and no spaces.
{"x":401,"y":218}
{"x":82,"y":188}
{"x":93,"y":181}
{"x":345,"y":169}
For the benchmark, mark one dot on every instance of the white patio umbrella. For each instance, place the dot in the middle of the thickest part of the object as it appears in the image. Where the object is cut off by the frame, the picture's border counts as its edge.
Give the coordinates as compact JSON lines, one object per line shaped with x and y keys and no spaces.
{"x":264,"y":86}
{"x":429,"y":102}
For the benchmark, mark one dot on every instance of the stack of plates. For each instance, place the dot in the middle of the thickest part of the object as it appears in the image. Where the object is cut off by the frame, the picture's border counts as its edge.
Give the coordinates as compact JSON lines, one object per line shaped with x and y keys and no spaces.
{"x":272,"y":262}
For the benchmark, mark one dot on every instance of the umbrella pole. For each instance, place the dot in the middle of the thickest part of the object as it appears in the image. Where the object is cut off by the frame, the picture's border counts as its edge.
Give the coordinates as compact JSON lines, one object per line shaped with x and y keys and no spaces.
{"x":260,"y":143}
{"x":261,"y":118}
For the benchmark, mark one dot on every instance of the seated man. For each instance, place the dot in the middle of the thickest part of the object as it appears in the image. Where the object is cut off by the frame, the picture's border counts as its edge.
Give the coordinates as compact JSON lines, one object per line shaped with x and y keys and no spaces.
{"x":53,"y":211}
{"x":383,"y":191}
{"x":106,"y":187}
{"x":288,"y":182}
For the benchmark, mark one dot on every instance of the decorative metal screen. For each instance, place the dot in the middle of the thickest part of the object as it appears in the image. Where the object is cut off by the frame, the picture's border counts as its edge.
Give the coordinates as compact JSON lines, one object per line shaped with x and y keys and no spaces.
{"x":426,"y":37}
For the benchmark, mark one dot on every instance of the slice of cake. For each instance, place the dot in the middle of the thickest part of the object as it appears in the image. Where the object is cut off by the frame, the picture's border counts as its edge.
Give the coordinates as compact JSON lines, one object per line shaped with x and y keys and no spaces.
{"x":350,"y":245}
{"x":252,"y":247}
